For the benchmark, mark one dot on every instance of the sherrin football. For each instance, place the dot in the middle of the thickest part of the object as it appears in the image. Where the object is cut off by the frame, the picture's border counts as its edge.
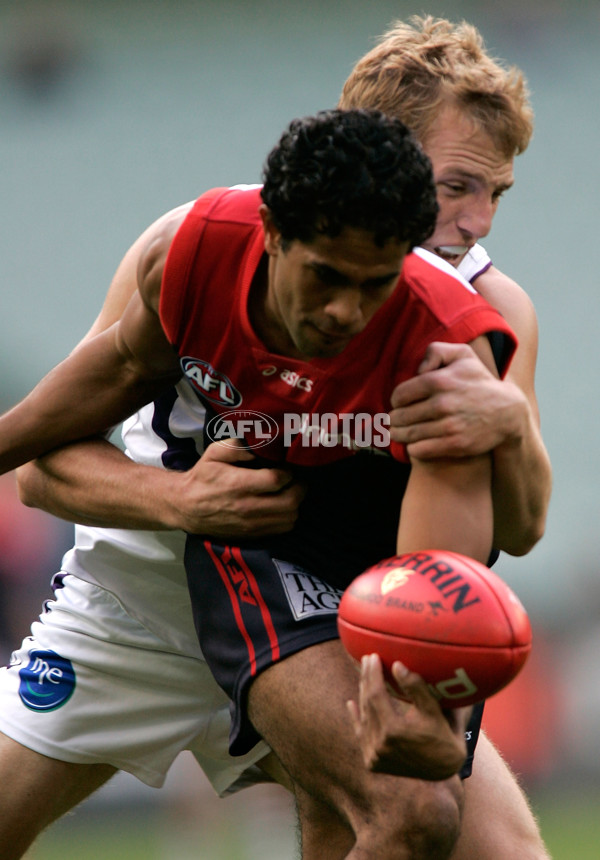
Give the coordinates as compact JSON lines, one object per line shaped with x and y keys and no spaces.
{"x":445,"y":616}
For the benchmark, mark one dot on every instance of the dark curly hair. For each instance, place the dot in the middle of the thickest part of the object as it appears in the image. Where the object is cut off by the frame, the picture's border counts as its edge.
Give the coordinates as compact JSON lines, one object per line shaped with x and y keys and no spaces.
{"x":350,"y":168}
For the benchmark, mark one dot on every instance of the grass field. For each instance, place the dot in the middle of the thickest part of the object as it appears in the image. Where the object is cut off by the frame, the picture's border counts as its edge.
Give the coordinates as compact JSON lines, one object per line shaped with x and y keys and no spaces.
{"x":570,"y":824}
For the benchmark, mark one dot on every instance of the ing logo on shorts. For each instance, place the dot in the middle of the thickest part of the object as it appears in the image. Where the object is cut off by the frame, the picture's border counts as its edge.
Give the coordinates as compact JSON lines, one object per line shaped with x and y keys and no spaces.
{"x":47,"y":682}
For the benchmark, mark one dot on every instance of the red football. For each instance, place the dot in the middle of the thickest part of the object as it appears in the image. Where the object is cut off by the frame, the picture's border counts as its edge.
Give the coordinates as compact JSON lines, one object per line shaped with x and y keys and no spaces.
{"x":443,"y":615}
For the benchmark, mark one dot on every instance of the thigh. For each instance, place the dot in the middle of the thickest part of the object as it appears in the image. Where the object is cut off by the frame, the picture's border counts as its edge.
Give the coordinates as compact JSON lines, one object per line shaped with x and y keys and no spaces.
{"x":41,"y":790}
{"x":299,"y":706}
{"x":497,"y":819}
{"x":250,"y":611}
{"x":93,"y":686}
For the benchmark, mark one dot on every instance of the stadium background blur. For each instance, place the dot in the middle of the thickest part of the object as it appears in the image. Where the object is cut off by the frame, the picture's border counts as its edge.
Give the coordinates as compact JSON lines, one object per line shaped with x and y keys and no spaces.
{"x":114,"y":112}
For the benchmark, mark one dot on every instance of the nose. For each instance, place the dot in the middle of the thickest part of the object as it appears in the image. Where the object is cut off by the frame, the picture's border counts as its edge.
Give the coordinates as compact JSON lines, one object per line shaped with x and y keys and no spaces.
{"x":345,"y":308}
{"x":476,"y":220}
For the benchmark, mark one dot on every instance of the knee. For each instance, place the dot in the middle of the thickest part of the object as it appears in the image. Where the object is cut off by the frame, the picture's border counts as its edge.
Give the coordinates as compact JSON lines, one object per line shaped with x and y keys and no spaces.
{"x":425,"y":824}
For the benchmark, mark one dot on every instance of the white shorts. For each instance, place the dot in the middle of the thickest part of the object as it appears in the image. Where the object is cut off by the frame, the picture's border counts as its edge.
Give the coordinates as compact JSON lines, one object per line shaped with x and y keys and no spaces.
{"x":93,"y":685}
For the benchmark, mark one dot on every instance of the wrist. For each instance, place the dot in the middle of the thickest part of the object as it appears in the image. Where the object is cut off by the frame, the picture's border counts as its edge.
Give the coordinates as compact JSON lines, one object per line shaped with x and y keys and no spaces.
{"x":168,"y":493}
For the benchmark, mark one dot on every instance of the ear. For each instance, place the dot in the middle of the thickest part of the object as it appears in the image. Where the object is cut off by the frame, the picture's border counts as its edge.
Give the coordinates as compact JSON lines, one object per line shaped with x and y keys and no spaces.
{"x":272,"y":234}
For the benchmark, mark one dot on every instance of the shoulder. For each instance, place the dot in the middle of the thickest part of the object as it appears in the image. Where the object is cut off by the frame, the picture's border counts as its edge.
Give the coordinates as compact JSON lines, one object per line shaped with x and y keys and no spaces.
{"x":422,"y":268}
{"x":510,"y":299}
{"x":157,"y":239}
{"x":153,"y":249}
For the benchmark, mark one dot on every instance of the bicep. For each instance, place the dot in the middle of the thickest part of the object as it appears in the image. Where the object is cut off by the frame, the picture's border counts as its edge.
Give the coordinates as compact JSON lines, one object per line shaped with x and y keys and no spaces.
{"x":120,"y":291}
{"x":522,"y":367}
{"x":518,"y":310}
{"x":140,"y":339}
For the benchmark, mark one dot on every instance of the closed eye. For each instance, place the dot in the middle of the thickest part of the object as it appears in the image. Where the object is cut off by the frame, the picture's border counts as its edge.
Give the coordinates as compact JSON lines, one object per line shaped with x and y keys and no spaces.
{"x":331,"y":277}
{"x":454,"y":187}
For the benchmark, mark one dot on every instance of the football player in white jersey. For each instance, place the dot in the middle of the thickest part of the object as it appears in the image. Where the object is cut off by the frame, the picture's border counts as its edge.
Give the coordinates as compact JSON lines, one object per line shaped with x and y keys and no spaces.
{"x":476,"y":412}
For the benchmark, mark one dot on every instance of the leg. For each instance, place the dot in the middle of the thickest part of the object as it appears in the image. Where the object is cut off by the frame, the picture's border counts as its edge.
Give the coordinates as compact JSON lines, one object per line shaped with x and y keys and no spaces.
{"x":497,"y":820}
{"x":41,"y":790}
{"x":299,"y":707}
{"x":323,"y":834}
{"x":272,"y":767}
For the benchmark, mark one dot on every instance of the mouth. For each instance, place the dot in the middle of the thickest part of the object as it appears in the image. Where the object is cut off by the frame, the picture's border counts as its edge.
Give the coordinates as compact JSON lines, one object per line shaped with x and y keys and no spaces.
{"x":335,"y":337}
{"x":334,"y":340}
{"x":451,"y":253}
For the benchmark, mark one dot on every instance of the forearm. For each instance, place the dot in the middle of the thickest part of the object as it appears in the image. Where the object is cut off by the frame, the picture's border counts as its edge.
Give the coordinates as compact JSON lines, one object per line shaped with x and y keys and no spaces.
{"x":93,"y":482}
{"x":522,"y":483}
{"x":448,"y":506}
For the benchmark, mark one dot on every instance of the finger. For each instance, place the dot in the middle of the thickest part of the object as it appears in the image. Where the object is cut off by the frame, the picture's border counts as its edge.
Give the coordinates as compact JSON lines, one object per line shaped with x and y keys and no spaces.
{"x":413,"y":688}
{"x":228,"y":451}
{"x":425,"y":390}
{"x":442,"y":448}
{"x":371,"y":674}
{"x":378,"y":702}
{"x":411,"y":391}
{"x":352,"y":708}
{"x":258,"y":481}
{"x":434,"y":408}
{"x":280,"y":482}
{"x":442,"y":428}
{"x":439,"y":354}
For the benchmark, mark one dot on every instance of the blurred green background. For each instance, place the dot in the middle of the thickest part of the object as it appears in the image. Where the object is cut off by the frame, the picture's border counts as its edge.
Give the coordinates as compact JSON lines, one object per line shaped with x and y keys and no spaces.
{"x":112,"y":113}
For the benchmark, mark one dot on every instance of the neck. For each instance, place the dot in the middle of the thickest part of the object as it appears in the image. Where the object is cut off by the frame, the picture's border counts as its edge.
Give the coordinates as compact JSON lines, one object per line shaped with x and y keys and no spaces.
{"x":263,"y":317}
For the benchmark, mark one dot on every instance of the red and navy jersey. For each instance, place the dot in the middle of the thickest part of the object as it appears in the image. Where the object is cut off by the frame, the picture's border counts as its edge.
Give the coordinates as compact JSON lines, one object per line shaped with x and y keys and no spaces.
{"x":209,"y":272}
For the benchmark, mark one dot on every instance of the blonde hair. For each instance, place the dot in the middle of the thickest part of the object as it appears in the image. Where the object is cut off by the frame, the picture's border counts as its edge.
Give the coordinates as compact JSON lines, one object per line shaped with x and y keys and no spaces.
{"x":417,"y":68}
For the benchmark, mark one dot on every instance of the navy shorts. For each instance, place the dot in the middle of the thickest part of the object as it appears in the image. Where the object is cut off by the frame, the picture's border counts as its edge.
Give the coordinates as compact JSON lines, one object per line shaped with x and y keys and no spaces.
{"x":251,"y":610}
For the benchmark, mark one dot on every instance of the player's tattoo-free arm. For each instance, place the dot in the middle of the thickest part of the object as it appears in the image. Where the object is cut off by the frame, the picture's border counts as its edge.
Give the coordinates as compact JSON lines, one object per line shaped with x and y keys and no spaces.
{"x":103,"y":381}
{"x":454,"y":407}
{"x":522,"y":482}
{"x":215,"y":496}
{"x":447,"y":505}
{"x":448,"y":501}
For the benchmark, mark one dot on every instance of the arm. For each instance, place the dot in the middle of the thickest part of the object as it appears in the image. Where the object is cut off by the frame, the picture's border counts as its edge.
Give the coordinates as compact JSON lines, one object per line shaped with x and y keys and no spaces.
{"x":96,"y":387}
{"x":105,"y":379}
{"x":448,"y":501}
{"x":215,"y":496}
{"x":447,"y":505}
{"x":522,"y":471}
{"x":454,"y":407}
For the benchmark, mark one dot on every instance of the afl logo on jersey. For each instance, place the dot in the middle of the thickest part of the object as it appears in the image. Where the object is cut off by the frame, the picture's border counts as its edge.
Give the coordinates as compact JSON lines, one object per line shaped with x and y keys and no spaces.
{"x":256,"y":428}
{"x":47,"y":682}
{"x":209,"y":383}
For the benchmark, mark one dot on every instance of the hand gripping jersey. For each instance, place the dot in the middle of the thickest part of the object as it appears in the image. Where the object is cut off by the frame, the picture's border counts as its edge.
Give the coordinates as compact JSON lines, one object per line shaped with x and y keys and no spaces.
{"x":144,"y":568}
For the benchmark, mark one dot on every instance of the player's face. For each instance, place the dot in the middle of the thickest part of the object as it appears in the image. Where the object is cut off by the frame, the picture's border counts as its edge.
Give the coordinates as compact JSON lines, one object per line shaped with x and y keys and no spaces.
{"x":471,"y":174}
{"x":322,"y":294}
